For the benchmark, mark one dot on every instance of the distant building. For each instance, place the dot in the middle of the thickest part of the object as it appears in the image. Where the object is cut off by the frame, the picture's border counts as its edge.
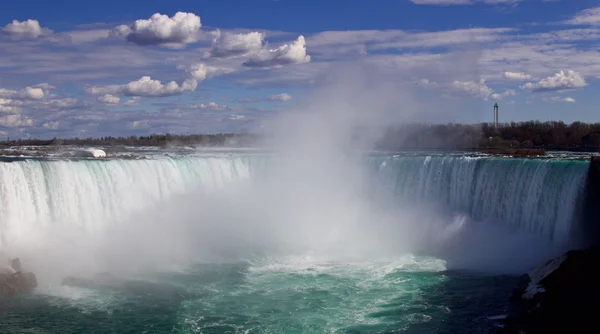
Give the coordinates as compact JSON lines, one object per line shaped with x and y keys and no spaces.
{"x":496,"y":115}
{"x":592,"y":139}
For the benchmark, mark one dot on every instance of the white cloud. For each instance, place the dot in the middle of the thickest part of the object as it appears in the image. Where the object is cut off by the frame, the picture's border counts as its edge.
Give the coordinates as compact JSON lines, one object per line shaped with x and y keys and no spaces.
{"x":280,"y":97}
{"x":560,"y":99}
{"x":9,"y":105}
{"x":15,"y":120}
{"x":173,"y":32}
{"x":237,"y":117}
{"x":32,"y":93}
{"x":201,"y":72}
{"x":109,"y":99}
{"x":517,"y":76}
{"x":590,"y":16}
{"x":145,"y":86}
{"x":29,"y":29}
{"x":27,"y":93}
{"x":51,"y":125}
{"x":330,"y":42}
{"x":44,"y":86}
{"x":231,"y":45}
{"x":134,"y":101}
{"x":294,"y":53}
{"x":558,"y":82}
{"x":210,"y":105}
{"x":59,"y":103}
{"x":477,"y":89}
{"x":283,"y":97}
{"x":500,"y":96}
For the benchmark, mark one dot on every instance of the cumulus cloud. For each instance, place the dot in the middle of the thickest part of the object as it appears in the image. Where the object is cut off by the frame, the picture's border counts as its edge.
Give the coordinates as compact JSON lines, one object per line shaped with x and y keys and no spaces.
{"x":15,"y":120}
{"x":294,"y":53}
{"x":478,"y":89}
{"x":27,"y":93}
{"x":134,"y":101}
{"x":51,"y":125}
{"x":500,"y":96}
{"x":147,"y":87}
{"x":59,"y":103}
{"x":590,"y":16}
{"x":560,"y":99}
{"x":31,"y":93}
{"x":517,"y":76}
{"x":227,"y":45}
{"x":159,"y":29}
{"x":280,"y":97}
{"x":109,"y":99}
{"x":37,"y":97}
{"x":201,"y":72}
{"x":9,"y":105}
{"x":29,"y":29}
{"x":558,"y":82}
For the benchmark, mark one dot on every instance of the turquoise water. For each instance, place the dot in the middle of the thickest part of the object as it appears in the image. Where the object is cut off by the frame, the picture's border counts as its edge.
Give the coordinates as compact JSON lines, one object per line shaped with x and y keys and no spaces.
{"x":80,"y":217}
{"x":414,"y":295}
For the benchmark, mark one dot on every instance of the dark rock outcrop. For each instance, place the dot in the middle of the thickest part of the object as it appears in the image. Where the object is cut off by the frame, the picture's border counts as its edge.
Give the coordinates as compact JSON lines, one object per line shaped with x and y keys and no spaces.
{"x":589,"y":230}
{"x":14,"y":281}
{"x":561,"y":296}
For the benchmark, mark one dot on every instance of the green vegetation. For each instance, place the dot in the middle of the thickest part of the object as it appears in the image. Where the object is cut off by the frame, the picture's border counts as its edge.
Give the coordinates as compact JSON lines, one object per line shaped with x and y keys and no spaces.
{"x":531,"y":138}
{"x":576,"y":136}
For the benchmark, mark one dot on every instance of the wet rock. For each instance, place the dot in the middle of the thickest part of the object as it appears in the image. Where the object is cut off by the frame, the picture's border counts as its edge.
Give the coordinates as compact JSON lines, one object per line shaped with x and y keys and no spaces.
{"x":14,"y":281}
{"x":560,"y":297}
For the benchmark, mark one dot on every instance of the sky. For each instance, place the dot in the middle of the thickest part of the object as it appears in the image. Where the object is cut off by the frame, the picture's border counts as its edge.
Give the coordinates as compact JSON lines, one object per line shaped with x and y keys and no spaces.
{"x":121,"y":68}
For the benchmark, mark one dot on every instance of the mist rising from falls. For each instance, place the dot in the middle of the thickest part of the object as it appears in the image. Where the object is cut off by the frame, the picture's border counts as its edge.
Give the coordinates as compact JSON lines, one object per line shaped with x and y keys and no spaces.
{"x":485,"y":214}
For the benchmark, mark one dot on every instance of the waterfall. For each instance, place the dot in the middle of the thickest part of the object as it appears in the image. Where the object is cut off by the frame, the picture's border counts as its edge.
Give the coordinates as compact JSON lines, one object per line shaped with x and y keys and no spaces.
{"x":535,"y":195}
{"x":90,"y":194}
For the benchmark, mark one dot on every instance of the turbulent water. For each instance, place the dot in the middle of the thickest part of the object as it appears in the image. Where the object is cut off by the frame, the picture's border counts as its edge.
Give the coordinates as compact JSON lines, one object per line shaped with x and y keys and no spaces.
{"x":205,"y":259}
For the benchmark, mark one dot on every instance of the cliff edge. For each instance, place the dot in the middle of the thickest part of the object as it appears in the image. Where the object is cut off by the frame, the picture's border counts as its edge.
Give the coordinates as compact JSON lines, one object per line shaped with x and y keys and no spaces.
{"x":561,"y":296}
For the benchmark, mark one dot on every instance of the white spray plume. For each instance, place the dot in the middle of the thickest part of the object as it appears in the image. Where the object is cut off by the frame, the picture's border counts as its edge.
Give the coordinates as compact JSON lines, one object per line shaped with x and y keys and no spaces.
{"x":313,"y":196}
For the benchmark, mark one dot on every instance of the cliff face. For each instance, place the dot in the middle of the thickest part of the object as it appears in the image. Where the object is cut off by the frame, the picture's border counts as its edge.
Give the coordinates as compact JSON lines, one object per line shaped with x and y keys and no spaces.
{"x":590,"y":229}
{"x":561,"y":296}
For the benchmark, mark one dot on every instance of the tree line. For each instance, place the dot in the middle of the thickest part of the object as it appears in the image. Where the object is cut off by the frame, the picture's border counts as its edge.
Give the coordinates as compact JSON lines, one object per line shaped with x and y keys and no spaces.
{"x":532,"y":134}
{"x":548,"y":135}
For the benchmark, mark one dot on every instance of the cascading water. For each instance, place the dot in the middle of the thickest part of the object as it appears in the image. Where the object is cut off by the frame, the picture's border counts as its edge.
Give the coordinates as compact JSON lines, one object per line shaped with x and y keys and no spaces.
{"x":89,"y":194}
{"x":533,"y":195}
{"x":271,"y":291}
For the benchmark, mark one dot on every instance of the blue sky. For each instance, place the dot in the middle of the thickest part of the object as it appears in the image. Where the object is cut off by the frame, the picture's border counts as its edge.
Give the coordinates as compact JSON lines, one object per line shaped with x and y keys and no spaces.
{"x":78,"y":68}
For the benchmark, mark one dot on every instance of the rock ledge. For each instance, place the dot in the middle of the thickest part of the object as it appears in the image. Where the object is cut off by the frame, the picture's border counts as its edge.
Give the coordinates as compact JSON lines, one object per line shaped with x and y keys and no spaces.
{"x":561,"y":296}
